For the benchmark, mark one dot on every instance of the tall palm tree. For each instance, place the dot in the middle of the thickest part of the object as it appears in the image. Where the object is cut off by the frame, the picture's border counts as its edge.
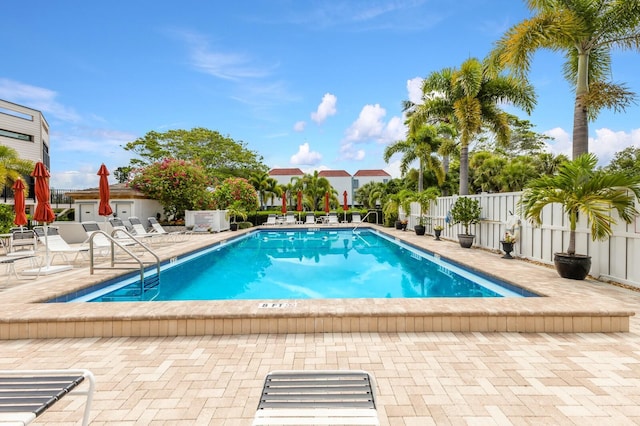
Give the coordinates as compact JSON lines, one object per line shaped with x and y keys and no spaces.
{"x":586,"y":31}
{"x":470,"y":97}
{"x":580,"y":188}
{"x":259,"y":179}
{"x":12,"y":166}
{"x":422,"y":144}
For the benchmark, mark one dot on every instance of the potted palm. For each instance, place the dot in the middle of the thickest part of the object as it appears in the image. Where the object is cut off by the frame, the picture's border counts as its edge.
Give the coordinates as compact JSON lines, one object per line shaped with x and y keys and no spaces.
{"x":465,"y":211}
{"x":236,"y":210}
{"x":424,"y":199}
{"x":580,"y":188}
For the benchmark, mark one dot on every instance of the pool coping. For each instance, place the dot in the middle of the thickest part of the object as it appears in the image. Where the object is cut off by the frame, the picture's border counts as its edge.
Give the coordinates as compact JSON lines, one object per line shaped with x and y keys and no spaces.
{"x":566,"y":305}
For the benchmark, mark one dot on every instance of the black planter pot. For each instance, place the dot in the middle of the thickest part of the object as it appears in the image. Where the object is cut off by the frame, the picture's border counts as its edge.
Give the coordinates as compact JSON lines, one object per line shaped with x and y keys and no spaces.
{"x":437,"y":233}
{"x":465,"y":240}
{"x":507,"y":248}
{"x":420,"y":230}
{"x":574,"y":267}
{"x":233,"y":226}
{"x":398,"y":225}
{"x":403,"y":226}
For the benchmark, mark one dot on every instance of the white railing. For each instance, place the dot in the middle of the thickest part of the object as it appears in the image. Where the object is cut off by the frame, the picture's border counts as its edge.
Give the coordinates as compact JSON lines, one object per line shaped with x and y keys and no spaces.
{"x":614,"y":259}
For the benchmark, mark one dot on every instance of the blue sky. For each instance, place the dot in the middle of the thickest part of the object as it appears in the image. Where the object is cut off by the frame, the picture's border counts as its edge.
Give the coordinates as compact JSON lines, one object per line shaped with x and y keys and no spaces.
{"x":308,"y":84}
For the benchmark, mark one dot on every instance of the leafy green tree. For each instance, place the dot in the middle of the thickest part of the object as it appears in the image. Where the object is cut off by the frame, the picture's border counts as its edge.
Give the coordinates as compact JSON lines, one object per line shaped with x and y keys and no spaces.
{"x":470,"y":98}
{"x":12,"y":166}
{"x":627,"y":161}
{"x":586,"y":31}
{"x":178,"y":185}
{"x":236,"y":192}
{"x":220,"y":155}
{"x":517,"y":173}
{"x":122,"y":174}
{"x":486,"y":169}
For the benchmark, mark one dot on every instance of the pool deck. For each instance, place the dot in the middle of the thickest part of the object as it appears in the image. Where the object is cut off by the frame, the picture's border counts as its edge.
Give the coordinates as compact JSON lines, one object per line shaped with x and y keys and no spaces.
{"x":422,"y":378}
{"x":567,"y":305}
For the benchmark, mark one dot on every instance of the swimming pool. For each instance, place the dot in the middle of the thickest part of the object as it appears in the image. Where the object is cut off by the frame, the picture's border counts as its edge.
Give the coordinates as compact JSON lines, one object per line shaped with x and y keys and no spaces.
{"x":305,"y":264}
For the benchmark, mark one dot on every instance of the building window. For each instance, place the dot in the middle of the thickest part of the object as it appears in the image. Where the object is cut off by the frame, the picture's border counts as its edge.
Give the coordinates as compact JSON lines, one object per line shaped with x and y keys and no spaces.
{"x":356,"y":184}
{"x":16,"y":135}
{"x":385,"y":180}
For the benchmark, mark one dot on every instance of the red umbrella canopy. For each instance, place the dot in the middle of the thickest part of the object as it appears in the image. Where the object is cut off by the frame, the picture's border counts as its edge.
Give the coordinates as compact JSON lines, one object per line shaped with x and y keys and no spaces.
{"x":43,"y":212}
{"x":345,"y":206}
{"x":18,"y":196}
{"x":299,"y":200}
{"x":104,"y":209}
{"x":284,"y":202}
{"x":326,"y":202}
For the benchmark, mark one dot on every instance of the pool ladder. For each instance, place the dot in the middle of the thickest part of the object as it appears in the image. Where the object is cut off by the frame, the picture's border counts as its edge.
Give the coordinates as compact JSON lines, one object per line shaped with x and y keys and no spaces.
{"x":131,"y":242}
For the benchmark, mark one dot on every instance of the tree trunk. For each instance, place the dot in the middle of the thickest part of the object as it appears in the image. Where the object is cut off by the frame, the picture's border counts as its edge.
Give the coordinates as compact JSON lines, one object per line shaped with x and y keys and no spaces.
{"x":580,"y":120}
{"x":464,"y":170}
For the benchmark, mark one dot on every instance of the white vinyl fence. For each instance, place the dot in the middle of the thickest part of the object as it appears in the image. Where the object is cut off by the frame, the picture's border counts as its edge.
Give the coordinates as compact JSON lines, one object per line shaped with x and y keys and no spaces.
{"x":616,"y":259}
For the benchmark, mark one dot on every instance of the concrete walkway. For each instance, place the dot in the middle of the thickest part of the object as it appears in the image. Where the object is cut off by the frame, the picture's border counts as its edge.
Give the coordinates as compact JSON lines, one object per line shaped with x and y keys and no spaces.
{"x":422,"y":378}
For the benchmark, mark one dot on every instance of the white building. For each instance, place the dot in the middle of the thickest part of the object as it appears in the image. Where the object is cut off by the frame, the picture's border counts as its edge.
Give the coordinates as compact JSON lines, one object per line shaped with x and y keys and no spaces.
{"x":26,"y":131}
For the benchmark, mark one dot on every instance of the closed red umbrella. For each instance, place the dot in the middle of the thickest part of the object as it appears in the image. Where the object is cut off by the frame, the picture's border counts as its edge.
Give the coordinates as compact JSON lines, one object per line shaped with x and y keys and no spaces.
{"x":299,"y":201}
{"x":44,"y":214}
{"x":18,"y":196}
{"x":326,"y":202}
{"x":284,"y":203}
{"x":345,"y":206}
{"x":104,"y":209}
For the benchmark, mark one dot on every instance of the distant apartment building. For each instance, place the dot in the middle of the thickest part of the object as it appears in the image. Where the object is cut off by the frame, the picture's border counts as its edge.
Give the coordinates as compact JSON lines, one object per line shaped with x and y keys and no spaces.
{"x":341,"y":180}
{"x":25,"y":130}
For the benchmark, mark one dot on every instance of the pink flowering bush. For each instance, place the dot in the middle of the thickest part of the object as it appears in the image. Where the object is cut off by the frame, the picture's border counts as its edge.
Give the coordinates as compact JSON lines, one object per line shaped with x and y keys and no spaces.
{"x":235,"y":189}
{"x":178,"y":185}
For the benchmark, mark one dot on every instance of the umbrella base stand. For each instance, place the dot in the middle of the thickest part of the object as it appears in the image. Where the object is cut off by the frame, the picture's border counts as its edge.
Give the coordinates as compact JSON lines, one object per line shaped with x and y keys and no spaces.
{"x":47,"y":270}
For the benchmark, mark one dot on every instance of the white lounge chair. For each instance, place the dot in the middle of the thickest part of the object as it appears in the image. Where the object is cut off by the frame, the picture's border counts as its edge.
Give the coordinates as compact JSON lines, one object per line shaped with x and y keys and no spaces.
{"x":175,"y":236}
{"x":310,"y":219}
{"x":271,"y":220}
{"x":317,"y":397}
{"x":333,"y":219}
{"x":22,"y":239}
{"x":140,"y":232}
{"x":58,"y":246}
{"x":290,"y":219}
{"x":100,"y":241}
{"x":27,"y":394}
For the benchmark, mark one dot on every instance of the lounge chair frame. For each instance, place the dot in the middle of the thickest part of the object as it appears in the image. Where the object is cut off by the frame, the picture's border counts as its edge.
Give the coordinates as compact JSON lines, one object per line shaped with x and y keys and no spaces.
{"x":327,"y":397}
{"x":27,"y":394}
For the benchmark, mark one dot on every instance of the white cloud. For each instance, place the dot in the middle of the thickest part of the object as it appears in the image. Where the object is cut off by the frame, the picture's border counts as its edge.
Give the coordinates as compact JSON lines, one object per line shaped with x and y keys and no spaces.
{"x":37,"y":98}
{"x":394,"y":169}
{"x":371,"y":126}
{"x":606,"y":143}
{"x":326,"y":108}
{"x":299,"y":126}
{"x":305,"y":156}
{"x":225,"y":65}
{"x":348,"y":151}
{"x":414,"y":88}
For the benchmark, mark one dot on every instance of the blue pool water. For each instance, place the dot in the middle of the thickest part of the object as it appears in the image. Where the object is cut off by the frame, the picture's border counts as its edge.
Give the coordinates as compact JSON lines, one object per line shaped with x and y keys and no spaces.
{"x":306,"y":264}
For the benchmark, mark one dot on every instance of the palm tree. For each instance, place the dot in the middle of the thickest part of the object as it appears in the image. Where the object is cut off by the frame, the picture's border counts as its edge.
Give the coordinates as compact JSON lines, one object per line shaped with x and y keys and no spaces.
{"x":470,"y":98}
{"x":580,"y":188}
{"x":422,"y":143}
{"x":12,"y":166}
{"x":315,"y":186}
{"x":260,"y":181}
{"x":586,"y":31}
